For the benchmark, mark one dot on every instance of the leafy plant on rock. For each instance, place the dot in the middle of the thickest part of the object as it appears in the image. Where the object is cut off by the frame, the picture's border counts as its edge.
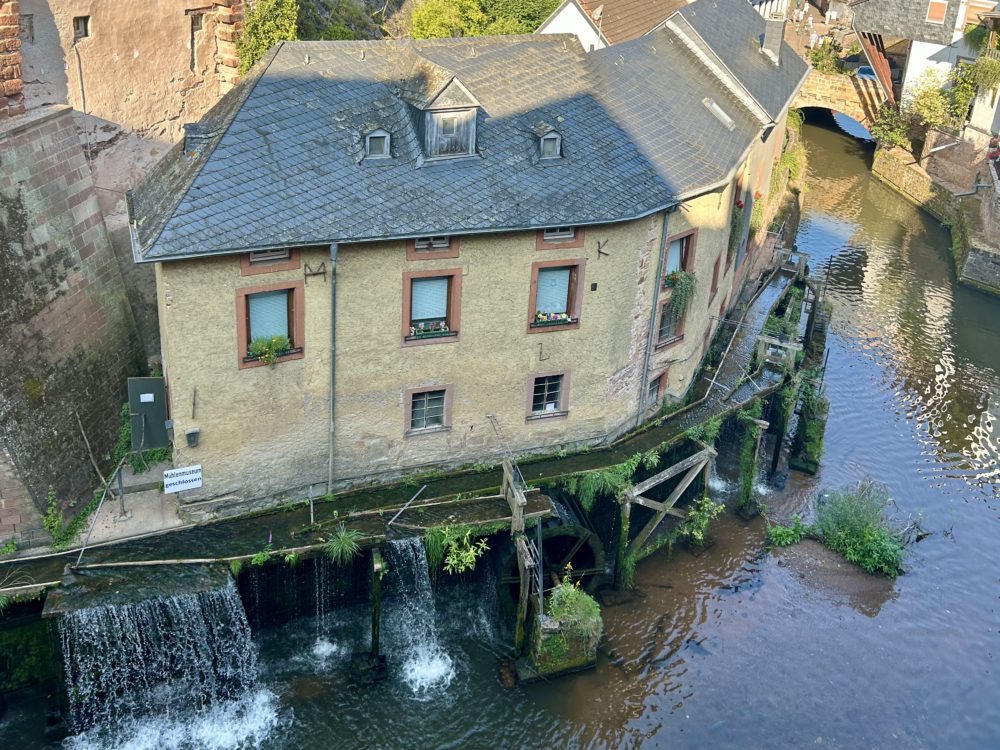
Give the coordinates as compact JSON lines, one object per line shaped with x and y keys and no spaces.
{"x":344,"y":545}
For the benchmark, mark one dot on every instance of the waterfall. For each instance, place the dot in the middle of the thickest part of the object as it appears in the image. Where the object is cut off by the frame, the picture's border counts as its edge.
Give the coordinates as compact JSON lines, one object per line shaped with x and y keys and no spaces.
{"x":323,"y":647}
{"x":426,"y":665}
{"x":156,"y":673}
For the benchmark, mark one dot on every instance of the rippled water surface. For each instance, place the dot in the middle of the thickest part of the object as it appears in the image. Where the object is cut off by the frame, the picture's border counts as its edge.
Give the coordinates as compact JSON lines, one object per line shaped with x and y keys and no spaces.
{"x":745,"y":649}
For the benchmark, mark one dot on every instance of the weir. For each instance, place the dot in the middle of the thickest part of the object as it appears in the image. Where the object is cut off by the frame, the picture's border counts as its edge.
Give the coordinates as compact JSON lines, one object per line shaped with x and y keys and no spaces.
{"x":175,"y":655}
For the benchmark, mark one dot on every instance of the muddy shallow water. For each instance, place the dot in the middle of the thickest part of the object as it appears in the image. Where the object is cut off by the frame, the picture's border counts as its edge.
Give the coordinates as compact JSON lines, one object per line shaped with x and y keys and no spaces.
{"x":739,"y":647}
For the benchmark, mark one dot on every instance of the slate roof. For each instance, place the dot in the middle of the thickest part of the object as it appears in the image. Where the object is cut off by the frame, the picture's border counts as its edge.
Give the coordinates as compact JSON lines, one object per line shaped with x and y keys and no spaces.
{"x":623,"y":20}
{"x":733,"y":30}
{"x":283,"y":164}
{"x":905,"y":19}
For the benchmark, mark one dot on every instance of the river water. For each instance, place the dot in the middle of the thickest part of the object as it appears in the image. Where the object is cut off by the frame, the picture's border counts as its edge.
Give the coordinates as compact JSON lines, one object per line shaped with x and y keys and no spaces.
{"x":738,"y":647}
{"x":742,"y":648}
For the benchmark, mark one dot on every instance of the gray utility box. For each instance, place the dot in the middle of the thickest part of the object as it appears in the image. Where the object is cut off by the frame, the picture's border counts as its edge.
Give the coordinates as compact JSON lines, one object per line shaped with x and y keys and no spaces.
{"x":147,"y":406}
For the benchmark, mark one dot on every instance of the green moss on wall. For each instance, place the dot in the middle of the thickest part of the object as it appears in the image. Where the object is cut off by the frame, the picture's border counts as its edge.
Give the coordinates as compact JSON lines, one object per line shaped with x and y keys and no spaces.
{"x":29,"y":654}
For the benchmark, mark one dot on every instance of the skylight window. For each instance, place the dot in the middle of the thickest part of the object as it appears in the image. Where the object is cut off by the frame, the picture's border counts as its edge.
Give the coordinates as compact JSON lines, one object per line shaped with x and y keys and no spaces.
{"x":377,"y":144}
{"x":550,"y":146}
{"x":720,"y":113}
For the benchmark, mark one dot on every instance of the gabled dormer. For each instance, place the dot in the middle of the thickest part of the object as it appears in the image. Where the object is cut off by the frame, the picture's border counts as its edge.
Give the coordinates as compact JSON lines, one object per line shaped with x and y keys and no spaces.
{"x":450,"y":122}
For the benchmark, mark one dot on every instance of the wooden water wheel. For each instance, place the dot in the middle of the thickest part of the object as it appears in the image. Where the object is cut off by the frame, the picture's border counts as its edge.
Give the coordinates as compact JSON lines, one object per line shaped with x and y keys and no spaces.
{"x":562,"y":545}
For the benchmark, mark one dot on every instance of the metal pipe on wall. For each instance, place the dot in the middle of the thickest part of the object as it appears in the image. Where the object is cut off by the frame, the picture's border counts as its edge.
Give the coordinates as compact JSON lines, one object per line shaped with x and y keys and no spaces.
{"x":333,"y":359}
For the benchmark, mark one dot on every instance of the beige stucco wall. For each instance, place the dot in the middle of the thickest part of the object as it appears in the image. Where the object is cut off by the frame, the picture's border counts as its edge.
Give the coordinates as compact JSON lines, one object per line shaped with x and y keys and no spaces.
{"x":135,"y":69}
{"x":264,"y":430}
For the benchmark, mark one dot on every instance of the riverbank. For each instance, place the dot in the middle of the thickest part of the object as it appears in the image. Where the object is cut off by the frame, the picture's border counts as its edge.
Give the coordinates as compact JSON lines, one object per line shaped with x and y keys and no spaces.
{"x":971,"y":218}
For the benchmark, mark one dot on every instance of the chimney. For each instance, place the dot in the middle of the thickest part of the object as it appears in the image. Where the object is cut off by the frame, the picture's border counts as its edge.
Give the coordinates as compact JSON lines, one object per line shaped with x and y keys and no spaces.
{"x":774,"y":35}
{"x":196,"y":136}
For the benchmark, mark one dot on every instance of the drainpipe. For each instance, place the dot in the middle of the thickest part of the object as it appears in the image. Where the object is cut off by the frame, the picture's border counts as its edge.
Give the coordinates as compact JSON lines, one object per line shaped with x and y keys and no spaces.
{"x":333,"y":360}
{"x":644,"y":386}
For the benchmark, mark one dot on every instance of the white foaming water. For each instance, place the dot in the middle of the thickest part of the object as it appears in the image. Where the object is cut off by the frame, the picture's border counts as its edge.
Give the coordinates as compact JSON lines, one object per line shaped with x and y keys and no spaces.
{"x":230,"y":725}
{"x":718,"y":484}
{"x":324,"y":649}
{"x":427,"y":669}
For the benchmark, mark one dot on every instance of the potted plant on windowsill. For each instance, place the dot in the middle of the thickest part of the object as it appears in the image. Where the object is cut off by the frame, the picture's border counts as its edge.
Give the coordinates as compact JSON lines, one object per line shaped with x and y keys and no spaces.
{"x":268,"y":349}
{"x":429,"y":329}
{"x":682,"y":286}
{"x":551,"y":319}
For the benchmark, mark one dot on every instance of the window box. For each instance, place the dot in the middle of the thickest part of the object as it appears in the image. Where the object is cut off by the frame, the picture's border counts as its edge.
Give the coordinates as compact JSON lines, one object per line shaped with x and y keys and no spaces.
{"x":270,"y":324}
{"x":555,"y":299}
{"x":552,"y":319}
{"x":279,"y":355}
{"x":431,"y":306}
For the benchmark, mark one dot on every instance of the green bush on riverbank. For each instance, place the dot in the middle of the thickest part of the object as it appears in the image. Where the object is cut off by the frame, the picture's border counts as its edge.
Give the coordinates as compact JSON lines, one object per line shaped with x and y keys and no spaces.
{"x":853,"y":523}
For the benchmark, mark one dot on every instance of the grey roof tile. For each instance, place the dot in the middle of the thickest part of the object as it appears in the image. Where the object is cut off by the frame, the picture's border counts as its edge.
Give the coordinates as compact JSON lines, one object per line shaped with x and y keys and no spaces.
{"x":905,"y":19}
{"x":286,"y":166}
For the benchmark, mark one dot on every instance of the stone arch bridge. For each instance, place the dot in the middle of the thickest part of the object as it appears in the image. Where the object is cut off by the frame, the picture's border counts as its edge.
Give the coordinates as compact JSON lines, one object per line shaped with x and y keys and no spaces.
{"x":859,"y":98}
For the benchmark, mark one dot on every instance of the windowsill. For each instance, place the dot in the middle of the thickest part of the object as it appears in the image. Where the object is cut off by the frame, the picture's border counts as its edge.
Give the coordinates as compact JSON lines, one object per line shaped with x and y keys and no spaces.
{"x":427,"y":431}
{"x":667,"y":343}
{"x":553,"y":325}
{"x":442,"y":337}
{"x":289,"y":355}
{"x":535,"y":416}
{"x":448,"y":157}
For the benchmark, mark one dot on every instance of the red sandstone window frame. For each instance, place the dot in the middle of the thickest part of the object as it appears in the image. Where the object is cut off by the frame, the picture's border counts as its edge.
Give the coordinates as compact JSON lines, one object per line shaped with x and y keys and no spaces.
{"x":529,"y":394}
{"x":659,"y":382}
{"x":296,"y":321}
{"x":454,"y":312}
{"x":689,"y":247}
{"x":412,"y":253}
{"x":543,"y":244}
{"x":445,"y":425}
{"x":678,"y":337}
{"x":252,"y":269}
{"x":716,"y":270}
{"x":574,"y":304}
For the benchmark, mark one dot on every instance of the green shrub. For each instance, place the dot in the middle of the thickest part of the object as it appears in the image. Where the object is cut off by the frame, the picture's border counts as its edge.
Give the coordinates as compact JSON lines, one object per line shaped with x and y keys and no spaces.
{"x":826,"y":57}
{"x":707,"y":432}
{"x":794,"y":120}
{"x":269,"y":348}
{"x":139,"y":462}
{"x":576,"y":610}
{"x":853,"y":522}
{"x":8,"y":548}
{"x":266,"y":23}
{"x":235,"y":566}
{"x":890,"y":127}
{"x":63,"y":534}
{"x":701,"y":513}
{"x":344,"y":545}
{"x":783,"y":536}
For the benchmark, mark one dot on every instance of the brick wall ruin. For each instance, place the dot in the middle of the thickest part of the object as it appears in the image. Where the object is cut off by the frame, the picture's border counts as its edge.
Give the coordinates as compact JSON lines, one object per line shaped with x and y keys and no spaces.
{"x":69,"y":340}
{"x":11,"y":84}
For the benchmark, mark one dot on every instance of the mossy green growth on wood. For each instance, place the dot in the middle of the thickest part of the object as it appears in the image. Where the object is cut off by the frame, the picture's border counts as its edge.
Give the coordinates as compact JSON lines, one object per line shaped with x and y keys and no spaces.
{"x":566,"y":640}
{"x":456,"y":548}
{"x":749,"y":440}
{"x":807,"y":448}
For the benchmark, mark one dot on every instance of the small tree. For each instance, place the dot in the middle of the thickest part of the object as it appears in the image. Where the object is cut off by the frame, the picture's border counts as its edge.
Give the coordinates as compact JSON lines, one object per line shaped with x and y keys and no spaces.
{"x":929,"y":104}
{"x":890,"y":127}
{"x":447,"y":18}
{"x":266,"y":23}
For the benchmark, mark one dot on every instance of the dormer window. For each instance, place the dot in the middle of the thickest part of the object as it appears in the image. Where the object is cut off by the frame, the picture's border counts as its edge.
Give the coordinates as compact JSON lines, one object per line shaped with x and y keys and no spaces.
{"x":377,"y":145}
{"x":550,"y":146}
{"x":450,"y":133}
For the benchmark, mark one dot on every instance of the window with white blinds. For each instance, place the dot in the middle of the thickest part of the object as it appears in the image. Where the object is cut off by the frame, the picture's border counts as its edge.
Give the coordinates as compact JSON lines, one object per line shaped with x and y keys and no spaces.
{"x":429,"y":299}
{"x":552,"y":295}
{"x":268,"y":314}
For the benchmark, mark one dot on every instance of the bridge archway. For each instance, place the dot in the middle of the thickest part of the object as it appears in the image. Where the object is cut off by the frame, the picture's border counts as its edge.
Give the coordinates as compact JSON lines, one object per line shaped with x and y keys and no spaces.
{"x":858,"y":98}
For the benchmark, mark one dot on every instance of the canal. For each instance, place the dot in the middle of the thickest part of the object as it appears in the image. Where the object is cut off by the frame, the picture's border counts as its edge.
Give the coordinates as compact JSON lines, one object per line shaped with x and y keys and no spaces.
{"x":736,"y":647}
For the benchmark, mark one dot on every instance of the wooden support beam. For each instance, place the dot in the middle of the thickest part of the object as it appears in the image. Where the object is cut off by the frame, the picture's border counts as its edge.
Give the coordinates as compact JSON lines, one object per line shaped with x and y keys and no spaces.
{"x":524,"y":565}
{"x":673,"y":471}
{"x":645,"y":502}
{"x":512,"y":491}
{"x":668,"y":504}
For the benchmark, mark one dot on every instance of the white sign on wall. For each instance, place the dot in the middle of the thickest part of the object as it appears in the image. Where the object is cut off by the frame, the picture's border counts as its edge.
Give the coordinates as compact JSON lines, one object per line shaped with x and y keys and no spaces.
{"x":185,"y":478}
